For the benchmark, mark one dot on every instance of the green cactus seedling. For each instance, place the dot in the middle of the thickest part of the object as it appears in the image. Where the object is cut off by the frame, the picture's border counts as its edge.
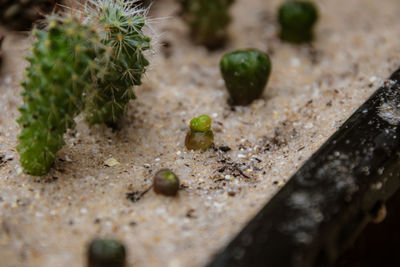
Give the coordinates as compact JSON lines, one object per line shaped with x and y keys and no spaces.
{"x":246,"y":73}
{"x":106,"y":253}
{"x":88,"y":62}
{"x":297,"y":20}
{"x":208,"y":20}
{"x":200,"y":135}
{"x":166,"y":183}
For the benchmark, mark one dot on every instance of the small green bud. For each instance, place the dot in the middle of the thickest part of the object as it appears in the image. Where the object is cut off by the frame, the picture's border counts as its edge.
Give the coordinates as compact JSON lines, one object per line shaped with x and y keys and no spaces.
{"x":106,"y":253}
{"x":201,"y":123}
{"x":246,"y":73}
{"x":166,"y":183}
{"x":297,"y":19}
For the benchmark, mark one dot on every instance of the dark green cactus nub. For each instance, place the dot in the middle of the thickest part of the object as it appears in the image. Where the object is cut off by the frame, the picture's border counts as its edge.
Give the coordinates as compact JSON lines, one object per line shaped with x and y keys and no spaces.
{"x":200,"y":135}
{"x":201,"y":123}
{"x":106,"y":253}
{"x":166,"y":183}
{"x":246,"y":73}
{"x":297,"y":20}
{"x":208,"y":20}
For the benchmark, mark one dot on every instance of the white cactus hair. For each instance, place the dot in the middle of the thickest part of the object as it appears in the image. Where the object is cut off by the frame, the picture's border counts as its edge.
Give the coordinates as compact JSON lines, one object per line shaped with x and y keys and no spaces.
{"x":125,"y":7}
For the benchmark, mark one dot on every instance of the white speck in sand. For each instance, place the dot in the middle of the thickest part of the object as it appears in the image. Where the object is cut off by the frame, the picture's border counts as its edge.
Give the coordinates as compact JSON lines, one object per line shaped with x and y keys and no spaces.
{"x":295,"y":62}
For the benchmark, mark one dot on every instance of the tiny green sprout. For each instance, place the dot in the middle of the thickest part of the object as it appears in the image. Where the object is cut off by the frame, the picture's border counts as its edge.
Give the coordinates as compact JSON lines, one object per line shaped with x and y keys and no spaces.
{"x":201,"y":123}
{"x":246,"y":73}
{"x":200,"y":135}
{"x":106,"y":253}
{"x":166,"y":183}
{"x":297,"y":19}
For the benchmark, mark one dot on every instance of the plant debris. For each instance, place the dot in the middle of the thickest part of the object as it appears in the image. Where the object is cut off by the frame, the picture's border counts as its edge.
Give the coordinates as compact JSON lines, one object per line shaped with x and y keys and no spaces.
{"x":111,"y":162}
{"x":135,"y":196}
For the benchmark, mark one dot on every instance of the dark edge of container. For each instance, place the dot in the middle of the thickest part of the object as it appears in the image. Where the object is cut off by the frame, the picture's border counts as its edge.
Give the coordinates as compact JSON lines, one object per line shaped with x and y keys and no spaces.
{"x":332,"y":197}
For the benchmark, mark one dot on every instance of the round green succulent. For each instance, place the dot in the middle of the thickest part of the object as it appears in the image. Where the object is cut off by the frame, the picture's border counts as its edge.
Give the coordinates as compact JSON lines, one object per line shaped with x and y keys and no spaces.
{"x":166,"y":183}
{"x":246,"y":73}
{"x":297,"y":20}
{"x":106,"y":253}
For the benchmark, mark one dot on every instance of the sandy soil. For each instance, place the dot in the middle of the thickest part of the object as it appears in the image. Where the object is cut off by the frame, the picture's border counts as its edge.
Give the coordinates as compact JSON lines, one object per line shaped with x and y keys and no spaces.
{"x":48,"y":221}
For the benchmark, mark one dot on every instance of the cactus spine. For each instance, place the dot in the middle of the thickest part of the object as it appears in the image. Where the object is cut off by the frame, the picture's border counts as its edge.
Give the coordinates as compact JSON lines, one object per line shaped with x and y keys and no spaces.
{"x":90,"y":64}
{"x":207,"y":20}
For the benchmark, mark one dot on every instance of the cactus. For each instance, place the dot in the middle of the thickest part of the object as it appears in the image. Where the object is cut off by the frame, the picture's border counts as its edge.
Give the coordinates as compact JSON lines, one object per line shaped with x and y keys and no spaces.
{"x":297,"y":19}
{"x":208,"y":20}
{"x":200,"y":135}
{"x":246,"y":73}
{"x":125,"y":64}
{"x":54,"y":83}
{"x":89,"y":64}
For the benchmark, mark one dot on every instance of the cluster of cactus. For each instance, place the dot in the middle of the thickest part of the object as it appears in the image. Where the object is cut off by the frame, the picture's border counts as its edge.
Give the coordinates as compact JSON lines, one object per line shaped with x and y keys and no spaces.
{"x":20,"y":14}
{"x":207,"y":20}
{"x":89,"y":62}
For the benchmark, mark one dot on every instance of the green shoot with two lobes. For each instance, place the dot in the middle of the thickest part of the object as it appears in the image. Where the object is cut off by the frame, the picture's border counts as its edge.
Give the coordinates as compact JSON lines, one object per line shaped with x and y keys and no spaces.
{"x":88,"y":62}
